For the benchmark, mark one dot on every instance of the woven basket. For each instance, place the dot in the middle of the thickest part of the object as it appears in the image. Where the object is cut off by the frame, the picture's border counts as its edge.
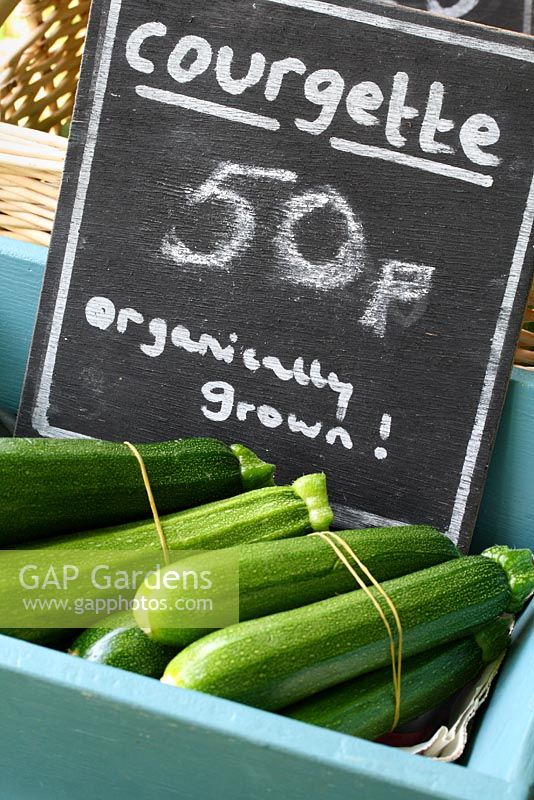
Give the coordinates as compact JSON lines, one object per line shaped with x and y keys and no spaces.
{"x":31,"y":164}
{"x":38,"y":82}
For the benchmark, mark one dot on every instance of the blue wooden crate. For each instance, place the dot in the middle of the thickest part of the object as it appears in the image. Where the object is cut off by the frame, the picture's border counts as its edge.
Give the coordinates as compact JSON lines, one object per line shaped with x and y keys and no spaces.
{"x":507,"y":507}
{"x":21,"y":275}
{"x":74,"y":729}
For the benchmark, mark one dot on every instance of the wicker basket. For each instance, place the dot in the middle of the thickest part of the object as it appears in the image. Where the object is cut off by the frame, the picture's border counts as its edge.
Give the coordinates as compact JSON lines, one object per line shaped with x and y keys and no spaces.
{"x":38,"y":82}
{"x":31,"y":163}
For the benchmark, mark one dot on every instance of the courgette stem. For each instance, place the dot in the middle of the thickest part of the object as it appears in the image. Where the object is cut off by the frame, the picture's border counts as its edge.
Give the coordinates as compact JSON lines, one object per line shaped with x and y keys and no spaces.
{"x":519,"y":568}
{"x":310,"y":488}
{"x":255,"y":473}
{"x":364,"y":707}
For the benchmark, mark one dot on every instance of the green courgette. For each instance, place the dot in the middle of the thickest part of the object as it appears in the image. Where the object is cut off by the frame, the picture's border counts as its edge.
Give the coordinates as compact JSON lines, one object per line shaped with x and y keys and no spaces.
{"x":275,"y":512}
{"x":55,"y":638}
{"x":50,"y":486}
{"x":277,"y":576}
{"x":121,"y":644}
{"x":280,"y":659}
{"x":364,"y":707}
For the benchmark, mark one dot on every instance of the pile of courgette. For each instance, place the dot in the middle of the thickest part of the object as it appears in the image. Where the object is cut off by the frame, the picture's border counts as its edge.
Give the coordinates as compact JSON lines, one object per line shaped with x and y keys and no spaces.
{"x":309,"y":643}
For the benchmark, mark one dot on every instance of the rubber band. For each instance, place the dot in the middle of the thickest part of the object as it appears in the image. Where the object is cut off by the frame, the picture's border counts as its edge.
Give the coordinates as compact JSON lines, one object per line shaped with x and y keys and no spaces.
{"x":395,"y":652}
{"x":155,"y":515}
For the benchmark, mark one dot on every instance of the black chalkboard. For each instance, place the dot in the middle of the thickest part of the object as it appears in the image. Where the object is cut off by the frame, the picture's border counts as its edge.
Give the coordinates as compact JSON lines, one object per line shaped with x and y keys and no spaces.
{"x":326,"y":258}
{"x":514,"y":15}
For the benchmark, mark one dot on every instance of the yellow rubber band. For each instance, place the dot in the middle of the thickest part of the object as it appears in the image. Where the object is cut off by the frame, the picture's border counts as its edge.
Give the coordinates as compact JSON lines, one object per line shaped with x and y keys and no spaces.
{"x":395,"y":651}
{"x":157,"y":522}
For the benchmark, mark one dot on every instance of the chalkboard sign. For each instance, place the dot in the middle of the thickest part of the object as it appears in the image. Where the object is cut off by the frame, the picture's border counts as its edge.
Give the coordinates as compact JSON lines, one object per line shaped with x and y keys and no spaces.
{"x":301,"y":226}
{"x":514,"y":15}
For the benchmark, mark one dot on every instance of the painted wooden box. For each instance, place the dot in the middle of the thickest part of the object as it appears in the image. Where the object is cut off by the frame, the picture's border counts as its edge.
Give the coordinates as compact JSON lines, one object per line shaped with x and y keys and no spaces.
{"x":73,"y":729}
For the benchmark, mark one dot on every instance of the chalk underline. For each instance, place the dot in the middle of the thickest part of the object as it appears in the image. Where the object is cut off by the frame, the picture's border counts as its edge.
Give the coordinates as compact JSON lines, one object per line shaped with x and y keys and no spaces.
{"x":345,"y":145}
{"x":207,"y":107}
{"x":436,"y":167}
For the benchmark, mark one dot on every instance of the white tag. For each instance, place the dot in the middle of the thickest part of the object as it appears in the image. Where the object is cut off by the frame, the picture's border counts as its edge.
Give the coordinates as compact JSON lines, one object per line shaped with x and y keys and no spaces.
{"x":448,"y":743}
